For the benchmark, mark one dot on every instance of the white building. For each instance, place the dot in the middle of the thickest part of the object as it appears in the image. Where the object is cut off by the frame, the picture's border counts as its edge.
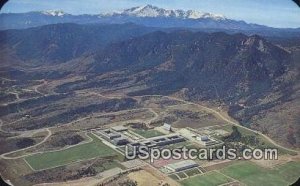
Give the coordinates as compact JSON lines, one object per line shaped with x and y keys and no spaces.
{"x":182,"y":165}
{"x":119,"y":128}
{"x":167,"y":127}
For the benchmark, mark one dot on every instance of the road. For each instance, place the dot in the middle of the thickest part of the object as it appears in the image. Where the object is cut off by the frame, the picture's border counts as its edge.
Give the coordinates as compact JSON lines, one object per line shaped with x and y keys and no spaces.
{"x":17,"y":95}
{"x":230,"y":121}
{"x":36,"y":88}
{"x":18,"y":99}
{"x":3,"y":156}
{"x":152,"y":119}
{"x":1,"y":125}
{"x":156,"y":115}
{"x":217,"y":113}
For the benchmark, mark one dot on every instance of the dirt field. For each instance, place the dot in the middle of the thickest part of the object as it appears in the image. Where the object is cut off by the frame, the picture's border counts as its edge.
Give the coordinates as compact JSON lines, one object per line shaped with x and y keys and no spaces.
{"x":142,"y":178}
{"x":84,"y":181}
{"x":197,"y":123}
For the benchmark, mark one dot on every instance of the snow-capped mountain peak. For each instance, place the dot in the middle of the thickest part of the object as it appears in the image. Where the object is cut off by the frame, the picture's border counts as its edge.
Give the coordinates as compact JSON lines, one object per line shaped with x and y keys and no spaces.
{"x":145,"y":11}
{"x":153,"y":11}
{"x":59,"y":13}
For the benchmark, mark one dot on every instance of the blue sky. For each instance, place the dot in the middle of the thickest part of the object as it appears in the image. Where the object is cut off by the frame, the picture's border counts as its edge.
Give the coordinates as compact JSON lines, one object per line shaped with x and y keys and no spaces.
{"x":275,"y":13}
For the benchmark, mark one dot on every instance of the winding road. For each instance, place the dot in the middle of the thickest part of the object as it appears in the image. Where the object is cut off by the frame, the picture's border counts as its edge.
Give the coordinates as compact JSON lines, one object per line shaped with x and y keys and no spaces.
{"x":156,"y":115}
{"x":217,"y":113}
{"x":4,"y":156}
{"x":230,"y":121}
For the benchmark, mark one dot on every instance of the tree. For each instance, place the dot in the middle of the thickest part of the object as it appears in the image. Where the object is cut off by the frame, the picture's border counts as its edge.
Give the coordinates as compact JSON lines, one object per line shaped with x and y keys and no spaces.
{"x":128,"y":183}
{"x":234,"y":136}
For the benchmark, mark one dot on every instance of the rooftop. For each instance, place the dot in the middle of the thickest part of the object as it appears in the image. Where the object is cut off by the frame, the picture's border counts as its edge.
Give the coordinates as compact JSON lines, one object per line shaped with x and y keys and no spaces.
{"x":119,"y":128}
{"x":181,"y":164}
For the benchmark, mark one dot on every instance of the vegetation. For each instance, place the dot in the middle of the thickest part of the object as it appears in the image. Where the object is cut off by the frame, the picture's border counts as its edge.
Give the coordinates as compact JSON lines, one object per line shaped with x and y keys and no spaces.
{"x":209,"y":179}
{"x":173,"y":176}
{"x":289,"y":171}
{"x":106,"y":165}
{"x":249,"y":138}
{"x":181,"y":175}
{"x":186,"y":144}
{"x":148,"y":133}
{"x":128,"y":183}
{"x":252,"y":174}
{"x":81,"y":152}
{"x":192,"y":172}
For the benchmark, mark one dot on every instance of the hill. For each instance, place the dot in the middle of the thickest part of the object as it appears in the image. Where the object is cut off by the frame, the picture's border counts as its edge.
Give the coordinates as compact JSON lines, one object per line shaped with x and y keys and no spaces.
{"x":255,"y":79}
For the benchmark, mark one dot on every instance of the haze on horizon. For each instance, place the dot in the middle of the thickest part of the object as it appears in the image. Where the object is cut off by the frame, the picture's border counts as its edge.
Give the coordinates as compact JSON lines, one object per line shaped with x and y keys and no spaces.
{"x":274,"y":13}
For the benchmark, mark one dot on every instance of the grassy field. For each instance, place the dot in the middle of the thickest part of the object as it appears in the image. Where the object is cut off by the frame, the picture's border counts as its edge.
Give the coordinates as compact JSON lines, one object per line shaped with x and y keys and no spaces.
{"x":192,"y":172}
{"x":179,"y":145}
{"x":173,"y":176}
{"x":81,"y":152}
{"x":248,"y":173}
{"x":209,"y":179}
{"x":181,"y":175}
{"x":148,"y":133}
{"x":289,"y":171}
{"x":252,"y":174}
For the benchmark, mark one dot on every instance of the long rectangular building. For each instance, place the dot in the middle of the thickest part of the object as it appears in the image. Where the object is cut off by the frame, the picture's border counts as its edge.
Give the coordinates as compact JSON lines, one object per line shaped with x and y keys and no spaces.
{"x":182,"y":165}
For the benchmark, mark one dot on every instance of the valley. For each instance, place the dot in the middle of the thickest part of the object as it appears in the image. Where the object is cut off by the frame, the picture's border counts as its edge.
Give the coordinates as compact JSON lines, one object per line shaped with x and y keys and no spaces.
{"x":71,"y":145}
{"x":80,"y":92}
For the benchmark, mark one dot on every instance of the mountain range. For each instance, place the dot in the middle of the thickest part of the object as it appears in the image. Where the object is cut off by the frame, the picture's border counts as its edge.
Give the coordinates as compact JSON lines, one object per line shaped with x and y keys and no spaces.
{"x":153,"y":11}
{"x":64,"y":77}
{"x":257,"y":79}
{"x":148,"y":15}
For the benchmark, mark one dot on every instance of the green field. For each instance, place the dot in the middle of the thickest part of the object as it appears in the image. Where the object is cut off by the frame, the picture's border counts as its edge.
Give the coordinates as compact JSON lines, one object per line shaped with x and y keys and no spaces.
{"x":80,"y":152}
{"x":173,"y":176}
{"x":181,"y":175}
{"x":252,"y":174}
{"x":289,"y":171}
{"x":192,"y":172}
{"x":185,"y":144}
{"x":209,"y":179}
{"x":148,"y":133}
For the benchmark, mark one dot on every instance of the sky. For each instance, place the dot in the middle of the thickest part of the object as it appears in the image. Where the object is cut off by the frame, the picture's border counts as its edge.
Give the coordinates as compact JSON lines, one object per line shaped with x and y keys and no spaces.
{"x":274,"y":13}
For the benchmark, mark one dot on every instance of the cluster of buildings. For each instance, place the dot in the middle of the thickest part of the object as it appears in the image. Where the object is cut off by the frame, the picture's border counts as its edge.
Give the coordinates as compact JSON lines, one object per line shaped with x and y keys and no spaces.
{"x":206,"y":141}
{"x":158,"y":141}
{"x":119,"y":137}
{"x":114,"y":135}
{"x":201,"y":139}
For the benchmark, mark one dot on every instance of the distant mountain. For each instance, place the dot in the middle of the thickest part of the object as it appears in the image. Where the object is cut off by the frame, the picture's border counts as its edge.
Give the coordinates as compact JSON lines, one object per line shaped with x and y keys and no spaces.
{"x":59,"y":13}
{"x":153,"y":11}
{"x":34,"y":19}
{"x":145,"y":15}
{"x":62,"y":42}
